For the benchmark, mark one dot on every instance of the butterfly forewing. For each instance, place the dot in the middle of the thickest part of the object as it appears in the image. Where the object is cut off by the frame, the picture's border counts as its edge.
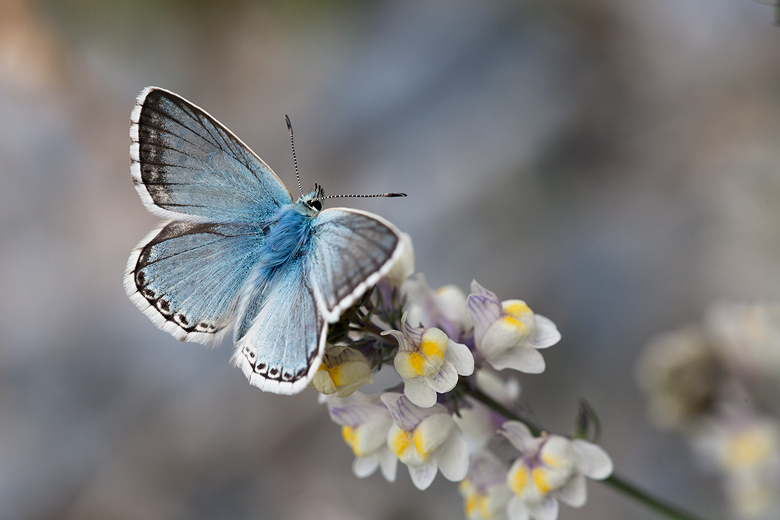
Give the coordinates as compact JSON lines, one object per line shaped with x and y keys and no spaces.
{"x":187,"y":165}
{"x":188,"y":277}
{"x":349,"y":251}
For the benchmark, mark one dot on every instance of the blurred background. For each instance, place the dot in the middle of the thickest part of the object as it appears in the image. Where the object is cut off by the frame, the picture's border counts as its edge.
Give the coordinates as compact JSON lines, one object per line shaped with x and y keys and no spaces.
{"x":614,"y":163}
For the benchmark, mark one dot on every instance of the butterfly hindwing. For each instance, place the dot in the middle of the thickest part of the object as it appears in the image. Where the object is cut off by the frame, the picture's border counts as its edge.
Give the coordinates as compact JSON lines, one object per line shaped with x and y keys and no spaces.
{"x":349,"y":251}
{"x":280,"y":333}
{"x":187,"y":166}
{"x":188,"y":276}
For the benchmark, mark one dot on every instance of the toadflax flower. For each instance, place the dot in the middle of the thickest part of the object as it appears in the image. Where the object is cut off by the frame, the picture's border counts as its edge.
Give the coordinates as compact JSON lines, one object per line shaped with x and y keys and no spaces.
{"x":429,"y":362}
{"x":484,"y":490}
{"x":343,"y":370}
{"x":444,"y":308}
{"x":365,"y":423}
{"x":551,"y":468}
{"x":426,"y":440}
{"x":508,"y":333}
{"x":478,"y":422}
{"x":404,"y":266}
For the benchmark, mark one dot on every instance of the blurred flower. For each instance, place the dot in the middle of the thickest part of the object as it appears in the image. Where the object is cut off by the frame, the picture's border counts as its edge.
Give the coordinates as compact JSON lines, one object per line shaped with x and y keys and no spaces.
{"x":680,"y":375}
{"x":484,"y":490}
{"x":745,"y":448}
{"x":508,"y":333}
{"x":478,"y":422}
{"x":365,"y":423}
{"x":404,"y":266}
{"x":747,"y":337}
{"x":551,"y":468}
{"x":429,"y":362}
{"x":426,"y":440}
{"x":343,"y":370}
{"x":444,"y":308}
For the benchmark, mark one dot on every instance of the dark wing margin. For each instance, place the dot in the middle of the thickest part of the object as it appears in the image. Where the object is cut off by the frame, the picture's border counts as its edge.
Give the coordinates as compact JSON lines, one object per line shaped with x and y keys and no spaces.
{"x":186,"y":165}
{"x":350,"y":251}
{"x":187,"y":277}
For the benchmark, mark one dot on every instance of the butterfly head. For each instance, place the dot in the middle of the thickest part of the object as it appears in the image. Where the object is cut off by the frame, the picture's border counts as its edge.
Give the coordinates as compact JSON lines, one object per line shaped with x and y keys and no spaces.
{"x":313,"y":199}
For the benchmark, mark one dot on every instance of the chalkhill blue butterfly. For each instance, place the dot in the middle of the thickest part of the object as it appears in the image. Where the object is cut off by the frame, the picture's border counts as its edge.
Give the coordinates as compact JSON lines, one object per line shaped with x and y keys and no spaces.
{"x":235,"y":251}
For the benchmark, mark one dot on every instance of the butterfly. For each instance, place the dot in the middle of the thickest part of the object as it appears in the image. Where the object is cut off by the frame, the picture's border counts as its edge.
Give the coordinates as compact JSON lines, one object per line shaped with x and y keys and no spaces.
{"x":235,"y":252}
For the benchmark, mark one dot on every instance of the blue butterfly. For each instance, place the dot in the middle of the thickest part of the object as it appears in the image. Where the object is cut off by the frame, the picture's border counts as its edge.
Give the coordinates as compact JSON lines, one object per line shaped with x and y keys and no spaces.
{"x":236,"y":252}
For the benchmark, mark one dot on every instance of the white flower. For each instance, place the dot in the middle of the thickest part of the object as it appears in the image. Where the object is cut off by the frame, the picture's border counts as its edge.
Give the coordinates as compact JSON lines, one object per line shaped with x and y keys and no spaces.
{"x":404,"y":266}
{"x":429,"y":362}
{"x":478,"y":422}
{"x":444,"y":308}
{"x":343,"y":370}
{"x":508,"y":333}
{"x":745,"y":448}
{"x":680,"y":375}
{"x":365,"y":423}
{"x":747,"y":337}
{"x":484,"y":490}
{"x":551,"y":468}
{"x":426,"y":440}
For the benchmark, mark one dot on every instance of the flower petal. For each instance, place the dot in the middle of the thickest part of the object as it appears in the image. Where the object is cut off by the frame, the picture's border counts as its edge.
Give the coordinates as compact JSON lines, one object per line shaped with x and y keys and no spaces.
{"x":547,"y":509}
{"x":365,"y":466}
{"x":404,"y":266}
{"x":432,"y":433}
{"x":520,"y":436}
{"x":523,"y":359}
{"x":445,"y":380}
{"x":461,"y":358}
{"x":453,"y":457}
{"x":546,"y":333}
{"x":516,"y":509}
{"x":574,"y":493}
{"x":422,"y":476}
{"x":406,"y":414}
{"x":484,"y":308}
{"x":371,"y":435}
{"x":419,"y":392}
{"x":388,"y":464}
{"x":592,"y":460}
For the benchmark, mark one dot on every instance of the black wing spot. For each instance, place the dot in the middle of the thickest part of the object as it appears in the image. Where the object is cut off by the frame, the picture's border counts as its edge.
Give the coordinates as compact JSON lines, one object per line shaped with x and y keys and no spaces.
{"x":149,"y":294}
{"x":273,"y":371}
{"x":164,"y":306}
{"x":181,"y":320}
{"x":140,"y":279}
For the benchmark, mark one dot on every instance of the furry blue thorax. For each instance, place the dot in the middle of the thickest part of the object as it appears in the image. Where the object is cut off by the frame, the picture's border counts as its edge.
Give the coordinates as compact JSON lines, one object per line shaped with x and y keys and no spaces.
{"x":290,"y":236}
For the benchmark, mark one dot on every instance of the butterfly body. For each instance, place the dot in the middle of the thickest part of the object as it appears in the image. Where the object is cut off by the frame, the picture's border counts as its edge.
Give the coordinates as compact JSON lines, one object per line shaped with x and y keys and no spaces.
{"x":236,"y":252}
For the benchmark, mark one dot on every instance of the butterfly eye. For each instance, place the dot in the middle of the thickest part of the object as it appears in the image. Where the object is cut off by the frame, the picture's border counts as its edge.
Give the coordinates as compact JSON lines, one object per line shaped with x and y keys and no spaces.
{"x":316,"y":205}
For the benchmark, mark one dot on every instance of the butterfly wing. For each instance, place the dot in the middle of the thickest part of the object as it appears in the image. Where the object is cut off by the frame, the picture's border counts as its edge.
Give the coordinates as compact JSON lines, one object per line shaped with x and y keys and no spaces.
{"x":187,"y":277}
{"x":283,"y":325}
{"x":350,"y":251}
{"x":280,"y":336}
{"x":187,"y":166}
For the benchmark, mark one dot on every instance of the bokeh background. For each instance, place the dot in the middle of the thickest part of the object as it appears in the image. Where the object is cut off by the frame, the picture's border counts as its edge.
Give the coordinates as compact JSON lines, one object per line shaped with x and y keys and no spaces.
{"x":615,"y":163}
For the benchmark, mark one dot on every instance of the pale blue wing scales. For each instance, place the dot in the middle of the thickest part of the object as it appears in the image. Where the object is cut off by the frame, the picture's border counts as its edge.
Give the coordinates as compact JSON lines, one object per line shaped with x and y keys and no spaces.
{"x":350,"y":250}
{"x":188,"y":276}
{"x":187,"y":166}
{"x":280,"y":334}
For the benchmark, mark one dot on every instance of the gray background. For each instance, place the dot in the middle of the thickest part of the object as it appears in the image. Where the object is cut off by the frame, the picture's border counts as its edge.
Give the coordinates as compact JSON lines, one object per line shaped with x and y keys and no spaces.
{"x":614,"y":163}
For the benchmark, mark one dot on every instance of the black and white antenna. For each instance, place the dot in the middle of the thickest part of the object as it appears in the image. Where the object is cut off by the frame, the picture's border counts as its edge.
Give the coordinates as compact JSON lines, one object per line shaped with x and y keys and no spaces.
{"x":319,"y":190}
{"x":295,"y":159}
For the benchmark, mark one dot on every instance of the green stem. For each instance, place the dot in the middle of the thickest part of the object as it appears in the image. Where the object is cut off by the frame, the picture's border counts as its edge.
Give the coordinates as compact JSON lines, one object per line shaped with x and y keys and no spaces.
{"x":645,"y":498}
{"x":613,"y":480}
